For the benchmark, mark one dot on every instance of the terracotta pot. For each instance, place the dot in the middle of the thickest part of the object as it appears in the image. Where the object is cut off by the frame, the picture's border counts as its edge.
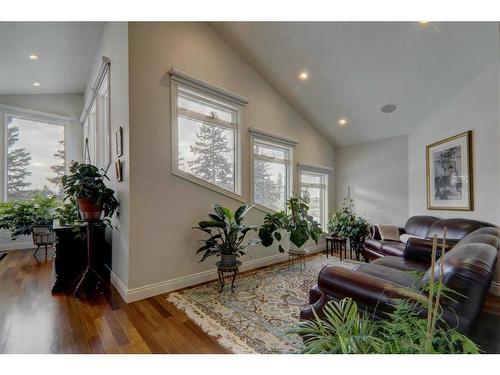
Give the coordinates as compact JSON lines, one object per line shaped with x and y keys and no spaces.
{"x":228,"y":260}
{"x":89,"y":210}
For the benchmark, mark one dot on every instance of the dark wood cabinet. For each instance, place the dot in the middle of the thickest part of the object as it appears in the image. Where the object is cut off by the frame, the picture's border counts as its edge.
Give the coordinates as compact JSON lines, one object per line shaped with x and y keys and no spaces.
{"x":71,"y":256}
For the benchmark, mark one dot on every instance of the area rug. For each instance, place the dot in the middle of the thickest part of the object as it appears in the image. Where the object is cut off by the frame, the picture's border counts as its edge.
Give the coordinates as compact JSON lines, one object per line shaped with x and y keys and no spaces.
{"x":266,"y":304}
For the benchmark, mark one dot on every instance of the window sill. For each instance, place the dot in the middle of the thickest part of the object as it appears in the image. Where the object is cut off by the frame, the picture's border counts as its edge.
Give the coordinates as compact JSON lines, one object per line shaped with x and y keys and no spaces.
{"x":208,"y":185}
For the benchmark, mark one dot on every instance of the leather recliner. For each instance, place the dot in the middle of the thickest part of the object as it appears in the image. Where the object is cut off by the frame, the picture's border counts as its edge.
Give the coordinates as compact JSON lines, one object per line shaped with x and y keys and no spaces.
{"x":376,"y":287}
{"x":422,"y":227}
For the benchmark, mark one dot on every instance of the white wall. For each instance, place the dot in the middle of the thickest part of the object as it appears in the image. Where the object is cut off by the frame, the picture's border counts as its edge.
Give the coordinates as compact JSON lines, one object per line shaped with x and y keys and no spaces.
{"x":475,"y":107}
{"x":377,"y":173}
{"x":164,"y":207}
{"x":114,"y":44}
{"x":69,"y":105}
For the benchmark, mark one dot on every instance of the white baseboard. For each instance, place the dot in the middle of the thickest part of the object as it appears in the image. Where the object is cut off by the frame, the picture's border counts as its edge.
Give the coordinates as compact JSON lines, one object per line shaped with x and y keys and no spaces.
{"x":16,"y":246}
{"x":495,"y":289}
{"x":146,"y":291}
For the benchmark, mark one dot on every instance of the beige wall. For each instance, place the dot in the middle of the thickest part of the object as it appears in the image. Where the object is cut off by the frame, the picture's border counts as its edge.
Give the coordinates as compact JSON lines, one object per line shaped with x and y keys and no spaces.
{"x":164,"y":207}
{"x":377,"y":173}
{"x":114,"y":44}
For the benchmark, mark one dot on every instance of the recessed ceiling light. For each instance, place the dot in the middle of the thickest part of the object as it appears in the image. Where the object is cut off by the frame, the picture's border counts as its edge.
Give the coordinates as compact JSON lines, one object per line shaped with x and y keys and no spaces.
{"x":342,"y":122}
{"x":388,"y":108}
{"x":33,"y":57}
{"x":36,"y":84}
{"x":303,"y":76}
{"x":423,"y":22}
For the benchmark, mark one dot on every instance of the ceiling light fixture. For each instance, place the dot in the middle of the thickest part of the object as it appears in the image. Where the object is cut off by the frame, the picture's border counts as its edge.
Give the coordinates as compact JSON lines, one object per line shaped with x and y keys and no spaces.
{"x":33,"y":57}
{"x":36,"y":84}
{"x":423,"y":22}
{"x":342,"y":122}
{"x":303,"y":76}
{"x":388,"y":108}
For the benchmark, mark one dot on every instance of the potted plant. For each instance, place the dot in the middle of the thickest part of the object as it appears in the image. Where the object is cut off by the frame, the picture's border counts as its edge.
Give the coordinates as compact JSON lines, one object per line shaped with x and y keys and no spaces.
{"x":20,"y":217}
{"x":85,"y":185}
{"x":226,"y":234}
{"x":296,"y":222}
{"x":346,"y":224}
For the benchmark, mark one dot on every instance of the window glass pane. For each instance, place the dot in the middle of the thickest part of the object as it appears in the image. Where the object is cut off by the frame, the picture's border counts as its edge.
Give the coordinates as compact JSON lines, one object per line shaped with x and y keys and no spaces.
{"x":207,"y":152}
{"x":270,"y":151}
{"x":315,"y":202}
{"x":35,"y":158}
{"x":206,"y":109}
{"x":311,"y":178}
{"x":270,"y":184}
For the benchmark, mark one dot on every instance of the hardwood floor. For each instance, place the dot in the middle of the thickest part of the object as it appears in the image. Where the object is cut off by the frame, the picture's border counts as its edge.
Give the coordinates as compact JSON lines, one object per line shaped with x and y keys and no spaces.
{"x":34,"y":321}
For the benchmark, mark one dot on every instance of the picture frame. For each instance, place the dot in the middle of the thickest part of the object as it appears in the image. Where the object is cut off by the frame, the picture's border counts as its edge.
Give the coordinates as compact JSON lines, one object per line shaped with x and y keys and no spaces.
{"x":119,"y":141}
{"x":118,"y":168}
{"x":449,"y":173}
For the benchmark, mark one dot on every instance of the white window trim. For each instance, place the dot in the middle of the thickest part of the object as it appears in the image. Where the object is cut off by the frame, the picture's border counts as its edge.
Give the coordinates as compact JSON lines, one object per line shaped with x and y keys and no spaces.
{"x":271,"y":138}
{"x":180,"y":79}
{"x":33,"y":115}
{"x":313,"y":168}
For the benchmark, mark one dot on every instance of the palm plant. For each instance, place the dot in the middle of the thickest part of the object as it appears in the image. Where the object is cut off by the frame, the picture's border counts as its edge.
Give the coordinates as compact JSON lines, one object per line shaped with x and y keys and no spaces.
{"x":227,"y":233}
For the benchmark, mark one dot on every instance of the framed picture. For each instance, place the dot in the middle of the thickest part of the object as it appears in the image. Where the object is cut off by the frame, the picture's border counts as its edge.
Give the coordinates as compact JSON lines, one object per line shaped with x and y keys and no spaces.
{"x":449,"y":174}
{"x":118,"y":167}
{"x":119,"y":142}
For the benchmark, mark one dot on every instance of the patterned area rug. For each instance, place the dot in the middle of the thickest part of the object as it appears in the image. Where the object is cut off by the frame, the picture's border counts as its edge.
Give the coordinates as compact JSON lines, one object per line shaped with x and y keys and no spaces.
{"x":265,"y":305}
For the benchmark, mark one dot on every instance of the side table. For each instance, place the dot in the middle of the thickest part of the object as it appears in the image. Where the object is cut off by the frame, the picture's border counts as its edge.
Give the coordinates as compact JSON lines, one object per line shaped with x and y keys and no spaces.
{"x":337,"y":244}
{"x":224,"y":271}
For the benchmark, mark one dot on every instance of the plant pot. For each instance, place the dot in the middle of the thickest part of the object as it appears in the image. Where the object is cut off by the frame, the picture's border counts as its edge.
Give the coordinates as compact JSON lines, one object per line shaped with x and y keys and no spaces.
{"x":296,"y":250}
{"x":89,"y":210}
{"x":228,"y":260}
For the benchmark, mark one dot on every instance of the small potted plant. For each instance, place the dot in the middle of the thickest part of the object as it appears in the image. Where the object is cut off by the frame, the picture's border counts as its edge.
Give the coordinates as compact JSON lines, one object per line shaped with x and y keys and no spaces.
{"x":296,"y":222}
{"x":227,"y":234}
{"x":85,"y":185}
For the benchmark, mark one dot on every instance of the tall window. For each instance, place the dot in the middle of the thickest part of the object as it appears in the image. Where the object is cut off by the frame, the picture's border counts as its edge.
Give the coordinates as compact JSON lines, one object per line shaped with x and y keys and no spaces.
{"x":272,"y":173}
{"x":206,"y":139}
{"x":314,"y":186}
{"x":35,"y":157}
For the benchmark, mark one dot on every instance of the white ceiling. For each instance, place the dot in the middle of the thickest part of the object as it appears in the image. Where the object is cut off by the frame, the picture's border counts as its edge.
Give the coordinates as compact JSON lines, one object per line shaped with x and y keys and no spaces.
{"x":66,"y":51}
{"x":356,"y":68}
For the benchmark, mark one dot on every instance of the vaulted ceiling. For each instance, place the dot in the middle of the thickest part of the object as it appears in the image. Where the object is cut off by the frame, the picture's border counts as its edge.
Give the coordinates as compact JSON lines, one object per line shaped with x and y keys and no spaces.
{"x":65,"y":51}
{"x":356,"y":68}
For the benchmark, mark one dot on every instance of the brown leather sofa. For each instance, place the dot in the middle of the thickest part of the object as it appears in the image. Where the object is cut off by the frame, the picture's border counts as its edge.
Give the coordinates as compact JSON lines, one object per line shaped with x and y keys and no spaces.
{"x":468,"y":269}
{"x":419,"y":226}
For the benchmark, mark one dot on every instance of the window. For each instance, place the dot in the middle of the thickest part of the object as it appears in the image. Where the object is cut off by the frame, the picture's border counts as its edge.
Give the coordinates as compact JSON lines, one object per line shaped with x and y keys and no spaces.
{"x":272,"y":172}
{"x":205,"y":134}
{"x":314,"y":186}
{"x":35,"y":157}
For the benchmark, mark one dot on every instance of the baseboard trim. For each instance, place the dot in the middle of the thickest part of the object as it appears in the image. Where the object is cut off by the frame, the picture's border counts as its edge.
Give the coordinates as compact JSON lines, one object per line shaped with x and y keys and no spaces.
{"x":495,"y":289}
{"x":146,"y":291}
{"x":16,"y":246}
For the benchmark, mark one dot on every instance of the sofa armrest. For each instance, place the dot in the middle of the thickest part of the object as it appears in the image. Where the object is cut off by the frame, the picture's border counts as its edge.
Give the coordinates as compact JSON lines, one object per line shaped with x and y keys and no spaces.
{"x":420,"y":249}
{"x":373,"y":292}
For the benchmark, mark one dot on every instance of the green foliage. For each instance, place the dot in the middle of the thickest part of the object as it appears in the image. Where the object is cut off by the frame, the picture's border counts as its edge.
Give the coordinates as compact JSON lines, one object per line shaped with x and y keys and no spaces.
{"x":226,"y":232}
{"x":20,"y":216}
{"x":297,"y":222}
{"x":86,"y":181}
{"x":345,"y":223}
{"x":68,"y":213}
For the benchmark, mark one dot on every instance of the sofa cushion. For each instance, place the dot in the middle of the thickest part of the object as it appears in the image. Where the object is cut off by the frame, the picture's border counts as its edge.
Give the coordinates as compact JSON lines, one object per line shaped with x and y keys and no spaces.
{"x":401,"y":264}
{"x":393,"y":248}
{"x":419,"y":225}
{"x":404,"y":279}
{"x":456,"y":228}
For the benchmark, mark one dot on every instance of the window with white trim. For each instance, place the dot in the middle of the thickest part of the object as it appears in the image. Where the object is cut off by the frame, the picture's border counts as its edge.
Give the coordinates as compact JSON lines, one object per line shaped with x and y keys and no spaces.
{"x":272,"y":173}
{"x":206,"y":138}
{"x":34,"y":155}
{"x":314,"y":187}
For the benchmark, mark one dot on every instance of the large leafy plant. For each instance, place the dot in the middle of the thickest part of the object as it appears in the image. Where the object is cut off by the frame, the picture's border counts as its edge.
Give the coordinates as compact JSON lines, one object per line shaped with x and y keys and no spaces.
{"x":345,"y":223}
{"x":20,"y":216}
{"x":344,"y":330}
{"x":87,"y":181}
{"x":297,"y":222}
{"x":226,"y":232}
